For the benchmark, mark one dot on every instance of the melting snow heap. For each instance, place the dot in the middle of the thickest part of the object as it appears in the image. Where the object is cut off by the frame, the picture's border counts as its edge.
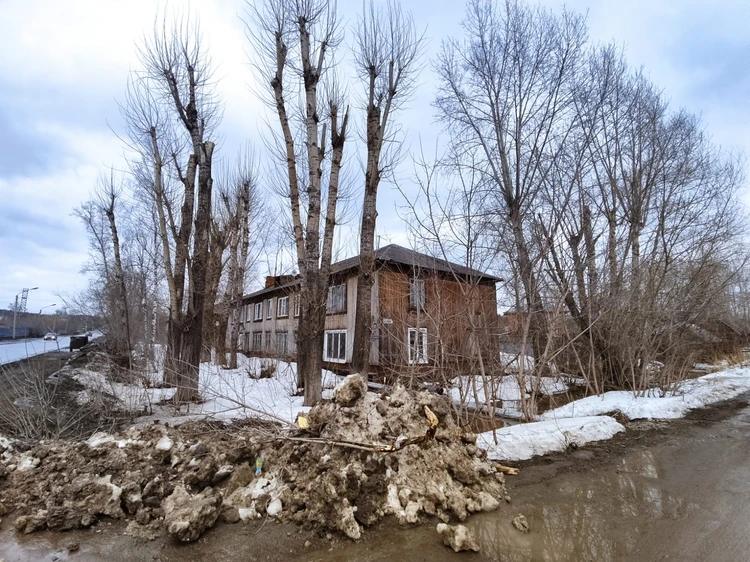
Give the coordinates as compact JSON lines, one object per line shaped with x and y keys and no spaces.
{"x":362,"y":457}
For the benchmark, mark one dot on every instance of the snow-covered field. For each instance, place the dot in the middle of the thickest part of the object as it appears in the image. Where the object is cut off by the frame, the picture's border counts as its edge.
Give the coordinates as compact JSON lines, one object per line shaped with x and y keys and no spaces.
{"x":226,"y":393}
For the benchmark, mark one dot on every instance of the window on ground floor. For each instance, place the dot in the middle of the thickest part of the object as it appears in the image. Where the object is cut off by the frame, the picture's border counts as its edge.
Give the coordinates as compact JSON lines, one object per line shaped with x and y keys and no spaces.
{"x":334,"y":346}
{"x":268,"y":340}
{"x":257,"y":341}
{"x":417,"y":345}
{"x":281,"y":343}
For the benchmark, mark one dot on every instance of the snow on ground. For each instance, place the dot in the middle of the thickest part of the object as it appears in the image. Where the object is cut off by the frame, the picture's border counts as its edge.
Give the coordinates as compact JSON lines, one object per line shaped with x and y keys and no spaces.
{"x":238,"y":393}
{"x":688,"y":395}
{"x":469,"y":392}
{"x":16,"y":350}
{"x":523,"y":441}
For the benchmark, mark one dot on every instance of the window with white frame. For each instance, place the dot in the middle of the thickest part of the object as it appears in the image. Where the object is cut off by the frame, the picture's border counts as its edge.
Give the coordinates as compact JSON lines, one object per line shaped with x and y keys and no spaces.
{"x":248,"y":312}
{"x":257,"y":341}
{"x":297,"y":304}
{"x":281,"y":343}
{"x":258,"y":311}
{"x":416,"y":294}
{"x":282,"y":307}
{"x":336,"y":299}
{"x":417,"y":345}
{"x":334,"y":346}
{"x":269,"y":309}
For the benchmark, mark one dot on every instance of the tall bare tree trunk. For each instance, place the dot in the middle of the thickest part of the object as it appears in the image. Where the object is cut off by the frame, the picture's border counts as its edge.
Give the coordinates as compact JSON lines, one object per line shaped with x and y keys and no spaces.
{"x":187,"y":390}
{"x":123,"y":342}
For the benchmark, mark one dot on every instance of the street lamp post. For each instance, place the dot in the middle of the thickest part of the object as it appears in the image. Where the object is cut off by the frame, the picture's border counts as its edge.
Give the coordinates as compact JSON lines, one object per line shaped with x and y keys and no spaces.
{"x":49,"y":305}
{"x":24,"y":295}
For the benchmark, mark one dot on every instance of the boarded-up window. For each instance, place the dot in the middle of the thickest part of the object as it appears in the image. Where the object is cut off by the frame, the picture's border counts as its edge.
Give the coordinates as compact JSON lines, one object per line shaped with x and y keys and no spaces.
{"x":416,"y":294}
{"x":336,"y":299}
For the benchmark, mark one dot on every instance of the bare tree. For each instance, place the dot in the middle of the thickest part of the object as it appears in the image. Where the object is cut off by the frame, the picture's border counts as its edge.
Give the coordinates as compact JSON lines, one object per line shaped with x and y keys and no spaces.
{"x":506,"y":90}
{"x":297,"y":40}
{"x":387,"y":57}
{"x":99,"y":218}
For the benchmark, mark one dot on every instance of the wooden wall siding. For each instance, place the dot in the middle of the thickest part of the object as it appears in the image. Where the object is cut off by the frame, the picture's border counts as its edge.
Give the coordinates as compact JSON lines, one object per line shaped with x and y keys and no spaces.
{"x":455,"y":320}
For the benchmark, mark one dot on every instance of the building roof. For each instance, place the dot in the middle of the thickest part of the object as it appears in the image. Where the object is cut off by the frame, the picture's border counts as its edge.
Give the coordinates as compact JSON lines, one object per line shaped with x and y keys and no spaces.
{"x":395,"y":254}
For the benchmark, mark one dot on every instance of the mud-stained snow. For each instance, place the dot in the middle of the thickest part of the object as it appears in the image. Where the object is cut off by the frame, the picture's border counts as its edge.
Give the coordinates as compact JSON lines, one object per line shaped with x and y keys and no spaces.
{"x":524,"y":441}
{"x":672,"y":404}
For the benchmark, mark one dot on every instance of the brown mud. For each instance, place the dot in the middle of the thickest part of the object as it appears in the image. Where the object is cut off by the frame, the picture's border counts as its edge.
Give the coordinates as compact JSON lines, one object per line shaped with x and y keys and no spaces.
{"x":660,"y":491}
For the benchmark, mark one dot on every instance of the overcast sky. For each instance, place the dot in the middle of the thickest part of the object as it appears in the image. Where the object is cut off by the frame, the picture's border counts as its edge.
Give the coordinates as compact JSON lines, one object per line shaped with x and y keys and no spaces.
{"x":65,"y":65}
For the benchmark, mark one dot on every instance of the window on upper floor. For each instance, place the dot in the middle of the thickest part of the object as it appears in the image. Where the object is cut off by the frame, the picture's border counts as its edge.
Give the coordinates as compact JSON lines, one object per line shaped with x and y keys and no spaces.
{"x":258,"y":311}
{"x":297,"y":304}
{"x":416,"y":294}
{"x":282,"y":307}
{"x":269,"y":309}
{"x":336,"y":299}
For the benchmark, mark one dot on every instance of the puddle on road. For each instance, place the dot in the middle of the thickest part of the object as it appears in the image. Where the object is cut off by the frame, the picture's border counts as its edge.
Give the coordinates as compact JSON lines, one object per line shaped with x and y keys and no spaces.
{"x":576,"y":517}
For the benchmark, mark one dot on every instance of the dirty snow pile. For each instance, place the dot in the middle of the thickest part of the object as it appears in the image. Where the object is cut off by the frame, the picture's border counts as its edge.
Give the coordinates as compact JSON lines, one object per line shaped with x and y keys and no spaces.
{"x":363,"y":457}
{"x":657,"y":404}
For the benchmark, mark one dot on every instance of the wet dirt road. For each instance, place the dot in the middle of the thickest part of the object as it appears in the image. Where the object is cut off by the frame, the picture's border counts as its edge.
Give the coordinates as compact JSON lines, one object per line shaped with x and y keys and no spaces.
{"x":677,"y":491}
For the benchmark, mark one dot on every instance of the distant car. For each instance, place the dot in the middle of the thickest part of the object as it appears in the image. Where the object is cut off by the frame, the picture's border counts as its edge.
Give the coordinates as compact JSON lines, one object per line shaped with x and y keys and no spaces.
{"x":50,"y":337}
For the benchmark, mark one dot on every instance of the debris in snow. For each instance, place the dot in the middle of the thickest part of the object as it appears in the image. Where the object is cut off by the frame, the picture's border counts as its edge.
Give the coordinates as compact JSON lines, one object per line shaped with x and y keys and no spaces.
{"x":458,"y":537}
{"x":520,"y":523}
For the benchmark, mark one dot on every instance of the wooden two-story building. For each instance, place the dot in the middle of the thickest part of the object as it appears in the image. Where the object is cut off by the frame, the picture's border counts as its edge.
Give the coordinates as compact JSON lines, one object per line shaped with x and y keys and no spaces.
{"x":426,"y":312}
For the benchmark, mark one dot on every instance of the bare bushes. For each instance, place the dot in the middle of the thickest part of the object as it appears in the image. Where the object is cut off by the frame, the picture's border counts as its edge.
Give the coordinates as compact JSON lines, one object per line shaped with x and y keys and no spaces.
{"x":35,"y":407}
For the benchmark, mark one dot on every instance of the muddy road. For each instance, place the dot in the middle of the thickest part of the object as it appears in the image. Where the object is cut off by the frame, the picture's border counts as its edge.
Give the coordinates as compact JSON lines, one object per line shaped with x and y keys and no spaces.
{"x":661,"y":491}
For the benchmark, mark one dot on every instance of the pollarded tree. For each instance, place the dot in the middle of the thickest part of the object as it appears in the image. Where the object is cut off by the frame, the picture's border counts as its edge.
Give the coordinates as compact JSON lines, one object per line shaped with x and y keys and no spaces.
{"x":296,"y":41}
{"x":387,"y":59}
